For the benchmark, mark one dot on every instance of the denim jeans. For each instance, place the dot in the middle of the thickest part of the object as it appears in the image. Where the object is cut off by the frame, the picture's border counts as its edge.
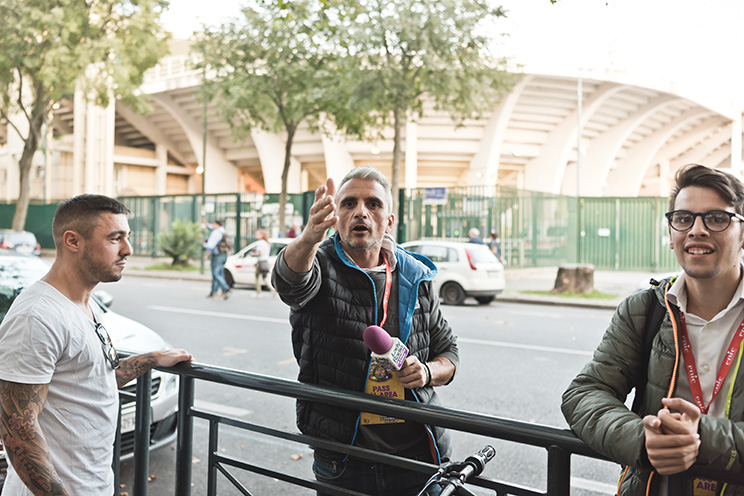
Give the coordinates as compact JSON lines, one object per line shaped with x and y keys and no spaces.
{"x":374,"y":479}
{"x":218,"y":272}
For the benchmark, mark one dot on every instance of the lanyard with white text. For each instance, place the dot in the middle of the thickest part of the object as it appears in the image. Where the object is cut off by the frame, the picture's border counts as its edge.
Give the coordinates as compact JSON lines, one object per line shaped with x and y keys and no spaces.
{"x":692,"y":374}
{"x":388,"y":285}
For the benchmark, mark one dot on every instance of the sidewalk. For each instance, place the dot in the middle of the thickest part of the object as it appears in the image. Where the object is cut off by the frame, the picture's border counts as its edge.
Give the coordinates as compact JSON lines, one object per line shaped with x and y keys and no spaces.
{"x":518,"y":281}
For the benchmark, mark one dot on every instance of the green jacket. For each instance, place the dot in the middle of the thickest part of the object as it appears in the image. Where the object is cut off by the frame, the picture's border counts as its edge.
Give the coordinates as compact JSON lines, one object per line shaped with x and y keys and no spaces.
{"x":594,"y":403}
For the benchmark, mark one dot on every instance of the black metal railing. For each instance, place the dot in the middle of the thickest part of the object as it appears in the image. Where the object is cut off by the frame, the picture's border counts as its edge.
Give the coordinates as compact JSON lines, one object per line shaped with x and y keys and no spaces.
{"x":560,"y":444}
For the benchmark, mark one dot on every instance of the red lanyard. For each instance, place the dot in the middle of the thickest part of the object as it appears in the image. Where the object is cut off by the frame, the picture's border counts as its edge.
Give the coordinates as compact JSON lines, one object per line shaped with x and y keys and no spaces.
{"x":388,"y":285}
{"x":692,"y":374}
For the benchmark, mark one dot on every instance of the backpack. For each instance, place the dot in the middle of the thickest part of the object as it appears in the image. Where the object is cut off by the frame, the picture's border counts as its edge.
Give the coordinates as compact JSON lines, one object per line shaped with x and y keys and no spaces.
{"x":226,"y":244}
{"x":654,"y":317}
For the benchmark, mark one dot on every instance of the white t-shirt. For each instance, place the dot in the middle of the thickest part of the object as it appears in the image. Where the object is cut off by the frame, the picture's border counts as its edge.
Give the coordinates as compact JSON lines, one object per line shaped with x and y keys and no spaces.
{"x":47,"y":339}
{"x":261,"y":250}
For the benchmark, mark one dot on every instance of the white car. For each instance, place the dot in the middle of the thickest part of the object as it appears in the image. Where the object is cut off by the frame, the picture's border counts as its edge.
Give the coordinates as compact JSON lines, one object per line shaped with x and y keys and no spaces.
{"x":465,"y":269}
{"x":240,"y":268}
{"x":18,"y":271}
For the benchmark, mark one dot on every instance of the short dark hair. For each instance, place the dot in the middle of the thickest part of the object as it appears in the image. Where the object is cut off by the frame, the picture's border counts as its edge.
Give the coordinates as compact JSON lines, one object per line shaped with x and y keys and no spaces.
{"x":728,"y":186}
{"x":79,"y":214}
{"x":218,"y":222}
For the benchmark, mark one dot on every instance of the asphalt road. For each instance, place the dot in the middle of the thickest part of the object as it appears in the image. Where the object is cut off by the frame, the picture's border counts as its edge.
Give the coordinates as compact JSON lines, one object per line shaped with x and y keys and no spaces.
{"x":516,"y":360}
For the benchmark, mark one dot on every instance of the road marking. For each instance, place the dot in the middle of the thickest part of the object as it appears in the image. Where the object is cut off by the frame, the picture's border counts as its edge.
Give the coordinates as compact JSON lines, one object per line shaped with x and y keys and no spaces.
{"x":525,"y":346}
{"x":230,"y":411}
{"x":594,"y":486}
{"x":230,"y":351}
{"x":219,"y":314}
{"x":287,"y":362}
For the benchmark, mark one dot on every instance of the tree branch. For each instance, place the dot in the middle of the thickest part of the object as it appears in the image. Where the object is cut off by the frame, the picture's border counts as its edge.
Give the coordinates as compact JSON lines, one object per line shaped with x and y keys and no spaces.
{"x":5,"y":116}
{"x":20,"y":95}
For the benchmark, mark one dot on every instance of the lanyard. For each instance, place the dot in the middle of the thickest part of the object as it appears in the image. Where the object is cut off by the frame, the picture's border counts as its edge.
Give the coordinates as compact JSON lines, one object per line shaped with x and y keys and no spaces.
{"x":388,"y":285}
{"x":692,"y":374}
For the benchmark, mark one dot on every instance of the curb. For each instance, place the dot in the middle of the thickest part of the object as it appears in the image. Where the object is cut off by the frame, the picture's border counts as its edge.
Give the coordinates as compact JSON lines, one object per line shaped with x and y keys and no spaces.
{"x":510,"y":298}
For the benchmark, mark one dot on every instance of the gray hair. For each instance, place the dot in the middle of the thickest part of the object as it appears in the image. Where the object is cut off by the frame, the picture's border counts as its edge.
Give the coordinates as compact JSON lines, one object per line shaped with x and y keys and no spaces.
{"x":369,"y":173}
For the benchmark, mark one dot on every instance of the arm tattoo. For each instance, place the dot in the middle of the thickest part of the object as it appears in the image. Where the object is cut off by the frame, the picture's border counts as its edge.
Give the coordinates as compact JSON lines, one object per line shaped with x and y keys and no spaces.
{"x":25,"y":444}
{"x":134,"y":367}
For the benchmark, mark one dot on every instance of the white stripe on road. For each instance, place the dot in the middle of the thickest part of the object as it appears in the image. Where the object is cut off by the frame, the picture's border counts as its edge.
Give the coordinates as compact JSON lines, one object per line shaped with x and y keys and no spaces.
{"x":219,"y":314}
{"x":593,"y":486}
{"x":220,"y":409}
{"x":530,"y":347}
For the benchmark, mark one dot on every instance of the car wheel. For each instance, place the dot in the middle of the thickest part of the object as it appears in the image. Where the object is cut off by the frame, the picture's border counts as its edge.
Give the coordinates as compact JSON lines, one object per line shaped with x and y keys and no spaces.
{"x":452,"y":293}
{"x":229,"y":278}
{"x":484,"y":300}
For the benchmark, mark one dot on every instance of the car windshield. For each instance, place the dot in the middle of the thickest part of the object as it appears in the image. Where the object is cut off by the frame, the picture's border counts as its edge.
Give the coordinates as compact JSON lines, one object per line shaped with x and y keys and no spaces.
{"x":17,"y":273}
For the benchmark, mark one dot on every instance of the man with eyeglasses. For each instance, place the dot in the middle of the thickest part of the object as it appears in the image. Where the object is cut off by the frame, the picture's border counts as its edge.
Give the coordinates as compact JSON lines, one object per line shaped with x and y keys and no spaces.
{"x":59,"y":371}
{"x":692,"y":407}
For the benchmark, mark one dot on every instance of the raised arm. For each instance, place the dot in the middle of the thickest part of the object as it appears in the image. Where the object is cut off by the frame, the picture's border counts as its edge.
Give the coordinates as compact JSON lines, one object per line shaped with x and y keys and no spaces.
{"x":299,"y":254}
{"x":25,"y":444}
{"x":134,"y":366}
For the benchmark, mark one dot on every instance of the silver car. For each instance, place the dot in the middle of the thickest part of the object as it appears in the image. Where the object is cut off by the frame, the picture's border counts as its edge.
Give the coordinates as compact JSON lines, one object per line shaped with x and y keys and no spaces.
{"x":18,"y":271}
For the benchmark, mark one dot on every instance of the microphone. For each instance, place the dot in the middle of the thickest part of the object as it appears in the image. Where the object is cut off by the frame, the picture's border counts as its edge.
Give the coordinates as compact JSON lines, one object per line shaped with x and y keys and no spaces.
{"x":390,"y":351}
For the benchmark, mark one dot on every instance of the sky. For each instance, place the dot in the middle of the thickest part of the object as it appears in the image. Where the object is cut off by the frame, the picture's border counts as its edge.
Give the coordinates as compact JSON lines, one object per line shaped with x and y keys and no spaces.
{"x":686,"y":41}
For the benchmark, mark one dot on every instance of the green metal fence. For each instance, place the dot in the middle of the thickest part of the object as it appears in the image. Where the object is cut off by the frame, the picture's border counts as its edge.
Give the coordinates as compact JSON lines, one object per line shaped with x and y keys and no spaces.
{"x":536,"y":229}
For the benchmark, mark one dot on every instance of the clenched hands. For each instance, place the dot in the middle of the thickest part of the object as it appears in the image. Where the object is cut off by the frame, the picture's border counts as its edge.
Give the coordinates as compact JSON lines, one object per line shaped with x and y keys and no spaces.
{"x":672,"y":439}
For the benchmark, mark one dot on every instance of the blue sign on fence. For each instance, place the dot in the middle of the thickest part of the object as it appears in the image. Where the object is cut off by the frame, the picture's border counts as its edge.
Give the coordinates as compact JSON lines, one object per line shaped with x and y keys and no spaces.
{"x":435,"y":196}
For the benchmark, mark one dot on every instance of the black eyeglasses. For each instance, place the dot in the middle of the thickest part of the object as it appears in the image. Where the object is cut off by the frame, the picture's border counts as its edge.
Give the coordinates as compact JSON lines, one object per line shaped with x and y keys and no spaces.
{"x":713,"y":220}
{"x":108,"y":347}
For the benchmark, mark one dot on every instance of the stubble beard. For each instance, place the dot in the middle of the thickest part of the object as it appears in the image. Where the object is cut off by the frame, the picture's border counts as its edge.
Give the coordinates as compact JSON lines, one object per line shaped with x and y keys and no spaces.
{"x":98,"y":271}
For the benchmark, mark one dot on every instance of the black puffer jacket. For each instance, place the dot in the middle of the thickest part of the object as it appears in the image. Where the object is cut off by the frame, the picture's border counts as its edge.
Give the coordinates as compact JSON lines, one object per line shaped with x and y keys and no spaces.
{"x":327,"y":333}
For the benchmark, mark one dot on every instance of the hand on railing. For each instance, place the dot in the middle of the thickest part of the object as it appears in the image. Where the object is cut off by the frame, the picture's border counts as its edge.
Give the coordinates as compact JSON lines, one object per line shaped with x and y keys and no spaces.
{"x":451,"y":477}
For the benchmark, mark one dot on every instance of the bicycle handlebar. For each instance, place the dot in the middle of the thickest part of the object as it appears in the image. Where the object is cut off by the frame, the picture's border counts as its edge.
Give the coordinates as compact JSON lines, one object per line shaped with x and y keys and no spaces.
{"x":473,"y":466}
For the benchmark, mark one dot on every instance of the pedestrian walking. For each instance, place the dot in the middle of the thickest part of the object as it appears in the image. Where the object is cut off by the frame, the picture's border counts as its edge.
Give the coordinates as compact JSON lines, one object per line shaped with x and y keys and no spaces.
{"x":217,"y":247}
{"x":261,"y":252}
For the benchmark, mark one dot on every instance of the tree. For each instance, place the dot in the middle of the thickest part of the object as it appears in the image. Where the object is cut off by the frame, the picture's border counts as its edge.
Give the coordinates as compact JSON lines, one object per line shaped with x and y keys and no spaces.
{"x":271,"y":69}
{"x":182,"y":242}
{"x":402,"y":52}
{"x":48,"y":48}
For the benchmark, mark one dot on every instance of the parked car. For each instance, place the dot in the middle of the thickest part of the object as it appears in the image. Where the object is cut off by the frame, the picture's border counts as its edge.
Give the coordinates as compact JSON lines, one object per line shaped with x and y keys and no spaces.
{"x":18,"y":271}
{"x":240,"y":268}
{"x":20,"y":241}
{"x":465,"y":269}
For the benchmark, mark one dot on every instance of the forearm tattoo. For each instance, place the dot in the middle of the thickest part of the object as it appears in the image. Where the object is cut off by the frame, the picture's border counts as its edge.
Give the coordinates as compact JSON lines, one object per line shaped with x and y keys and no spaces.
{"x":25,"y":444}
{"x":134,"y":367}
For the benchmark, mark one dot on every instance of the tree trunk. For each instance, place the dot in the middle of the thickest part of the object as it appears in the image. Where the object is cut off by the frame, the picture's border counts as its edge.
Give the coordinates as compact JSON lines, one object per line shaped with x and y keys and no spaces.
{"x":31,"y":144}
{"x":285,"y":175}
{"x":397,"y":153}
{"x":574,"y":278}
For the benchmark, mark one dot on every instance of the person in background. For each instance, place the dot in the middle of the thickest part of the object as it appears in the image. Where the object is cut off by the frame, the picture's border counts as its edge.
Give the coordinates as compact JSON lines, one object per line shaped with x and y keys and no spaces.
{"x":475,"y":237}
{"x":59,"y":371}
{"x":494,"y":243}
{"x":261,"y":252}
{"x":293,"y":231}
{"x":217,"y":260}
{"x":690,"y":407}
{"x":338,"y":286}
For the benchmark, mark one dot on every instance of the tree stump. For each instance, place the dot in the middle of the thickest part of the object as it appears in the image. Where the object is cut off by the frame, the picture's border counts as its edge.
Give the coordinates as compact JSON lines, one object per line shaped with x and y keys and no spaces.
{"x":574,"y":278}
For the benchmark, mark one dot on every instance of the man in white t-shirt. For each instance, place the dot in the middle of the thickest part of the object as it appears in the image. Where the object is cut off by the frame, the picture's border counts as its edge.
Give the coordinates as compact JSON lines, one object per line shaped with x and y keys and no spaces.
{"x":58,"y":370}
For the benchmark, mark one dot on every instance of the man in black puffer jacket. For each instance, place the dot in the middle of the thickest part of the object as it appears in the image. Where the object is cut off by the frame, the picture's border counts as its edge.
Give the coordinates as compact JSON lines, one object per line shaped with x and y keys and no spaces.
{"x":336,"y":288}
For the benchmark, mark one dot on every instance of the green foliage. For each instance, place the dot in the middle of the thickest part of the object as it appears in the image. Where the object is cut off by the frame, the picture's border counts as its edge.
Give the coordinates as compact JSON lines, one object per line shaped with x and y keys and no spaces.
{"x":271,"y":69}
{"x":48,"y":49}
{"x":183,"y":242}
{"x":401,"y":54}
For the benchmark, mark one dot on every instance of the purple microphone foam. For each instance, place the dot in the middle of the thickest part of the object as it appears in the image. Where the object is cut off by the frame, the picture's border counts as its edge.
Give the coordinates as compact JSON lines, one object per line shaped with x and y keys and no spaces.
{"x":377,"y":339}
